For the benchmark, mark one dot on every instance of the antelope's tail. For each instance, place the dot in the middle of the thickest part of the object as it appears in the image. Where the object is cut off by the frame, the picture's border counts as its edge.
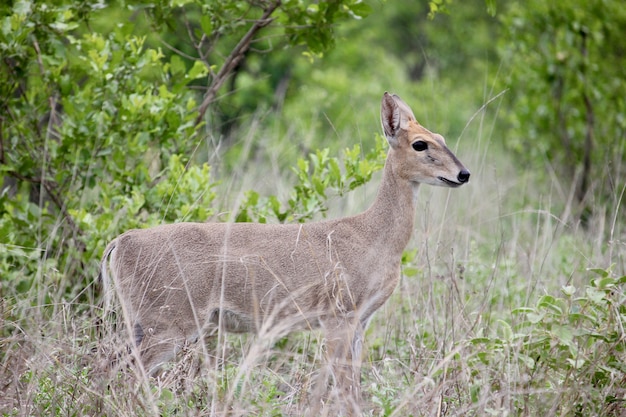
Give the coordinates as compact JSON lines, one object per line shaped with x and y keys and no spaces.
{"x":104,"y":277}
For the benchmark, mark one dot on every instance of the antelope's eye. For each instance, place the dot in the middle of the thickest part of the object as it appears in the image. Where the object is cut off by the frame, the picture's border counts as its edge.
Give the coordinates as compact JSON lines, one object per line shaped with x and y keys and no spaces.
{"x":420,"y":145}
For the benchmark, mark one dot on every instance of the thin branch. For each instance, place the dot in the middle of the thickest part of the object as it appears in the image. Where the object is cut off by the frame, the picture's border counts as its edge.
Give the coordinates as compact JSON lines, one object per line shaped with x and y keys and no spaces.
{"x":32,"y":180}
{"x":39,"y":60}
{"x":51,"y":188}
{"x":177,"y":51}
{"x":202,"y":57}
{"x":589,"y":125}
{"x":2,"y":161}
{"x":234,"y":58}
{"x":77,"y":231}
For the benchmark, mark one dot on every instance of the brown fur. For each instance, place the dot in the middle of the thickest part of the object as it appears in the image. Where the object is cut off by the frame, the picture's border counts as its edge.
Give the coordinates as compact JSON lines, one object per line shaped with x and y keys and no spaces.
{"x":177,"y":281}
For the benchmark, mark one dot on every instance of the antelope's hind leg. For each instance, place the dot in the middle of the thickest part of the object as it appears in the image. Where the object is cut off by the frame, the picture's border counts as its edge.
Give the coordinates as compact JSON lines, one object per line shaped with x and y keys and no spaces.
{"x":157,"y":344}
{"x":343,"y":367}
{"x":344,"y":356}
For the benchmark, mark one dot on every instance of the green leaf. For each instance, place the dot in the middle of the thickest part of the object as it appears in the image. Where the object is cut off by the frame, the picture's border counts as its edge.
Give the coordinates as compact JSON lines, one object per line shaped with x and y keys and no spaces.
{"x":181,"y":3}
{"x":480,"y":341}
{"x":303,"y":166}
{"x":320,"y":186}
{"x":63,"y":27}
{"x":535,"y":318}
{"x":166,"y":395}
{"x":360,"y":9}
{"x":604,"y":283}
{"x":22,"y":7}
{"x":576,"y":363}
{"x":410,"y":271}
{"x":334,"y":171}
{"x":568,"y":290}
{"x":599,"y":271}
{"x":549,"y":302}
{"x":475,"y":392}
{"x":564,"y":334}
{"x":596,"y":296}
{"x":206,"y":24}
{"x":526,"y":360}
{"x":491,"y":7}
{"x":198,"y":70}
{"x":177,"y":66}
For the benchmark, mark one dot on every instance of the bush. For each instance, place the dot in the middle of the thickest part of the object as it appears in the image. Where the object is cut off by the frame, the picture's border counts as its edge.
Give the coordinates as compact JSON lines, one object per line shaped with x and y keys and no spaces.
{"x":564,"y":356}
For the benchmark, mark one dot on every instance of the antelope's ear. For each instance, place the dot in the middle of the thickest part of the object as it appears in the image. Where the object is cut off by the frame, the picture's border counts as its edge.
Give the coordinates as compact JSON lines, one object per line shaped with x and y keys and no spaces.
{"x":395,"y":115}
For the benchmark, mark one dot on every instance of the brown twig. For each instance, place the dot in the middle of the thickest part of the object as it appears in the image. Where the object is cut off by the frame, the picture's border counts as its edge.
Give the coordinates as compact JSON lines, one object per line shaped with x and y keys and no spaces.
{"x":50,"y":188}
{"x":234,"y":58}
{"x":1,"y":141}
{"x":589,"y":125}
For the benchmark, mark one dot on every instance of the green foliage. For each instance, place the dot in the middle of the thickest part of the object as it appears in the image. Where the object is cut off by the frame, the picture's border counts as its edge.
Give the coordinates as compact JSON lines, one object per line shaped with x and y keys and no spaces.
{"x":52,"y":398}
{"x":316,"y":177}
{"x":338,"y":96}
{"x":572,"y":343}
{"x":567,"y":87}
{"x":82,"y":155}
{"x":441,"y":6}
{"x":312,"y":23}
{"x":98,"y":126}
{"x":233,"y":38}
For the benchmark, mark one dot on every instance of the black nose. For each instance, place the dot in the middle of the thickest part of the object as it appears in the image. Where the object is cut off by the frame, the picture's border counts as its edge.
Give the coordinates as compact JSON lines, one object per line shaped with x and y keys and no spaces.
{"x":463,"y":176}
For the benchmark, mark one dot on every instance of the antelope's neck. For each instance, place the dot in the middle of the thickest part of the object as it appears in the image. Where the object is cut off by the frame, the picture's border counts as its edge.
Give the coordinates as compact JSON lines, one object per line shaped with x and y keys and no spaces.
{"x":392,"y":215}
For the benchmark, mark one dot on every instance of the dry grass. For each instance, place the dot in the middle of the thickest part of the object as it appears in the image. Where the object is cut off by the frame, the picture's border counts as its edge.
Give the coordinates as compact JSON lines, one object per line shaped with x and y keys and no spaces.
{"x":478,"y":253}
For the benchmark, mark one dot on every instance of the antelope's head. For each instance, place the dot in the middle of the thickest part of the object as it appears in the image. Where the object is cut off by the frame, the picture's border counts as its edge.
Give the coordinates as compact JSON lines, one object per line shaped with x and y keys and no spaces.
{"x":421,"y":155}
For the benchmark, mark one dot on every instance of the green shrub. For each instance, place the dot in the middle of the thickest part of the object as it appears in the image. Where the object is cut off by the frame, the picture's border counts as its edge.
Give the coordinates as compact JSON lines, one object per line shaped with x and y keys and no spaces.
{"x":564,"y":356}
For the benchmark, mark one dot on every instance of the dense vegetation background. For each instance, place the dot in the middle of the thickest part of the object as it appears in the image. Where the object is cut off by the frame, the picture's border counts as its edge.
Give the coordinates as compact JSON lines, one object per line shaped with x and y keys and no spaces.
{"x":129,"y":114}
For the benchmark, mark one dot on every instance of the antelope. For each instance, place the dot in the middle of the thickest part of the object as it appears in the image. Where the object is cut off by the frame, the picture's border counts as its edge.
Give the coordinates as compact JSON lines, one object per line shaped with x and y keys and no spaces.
{"x":178,"y":282}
